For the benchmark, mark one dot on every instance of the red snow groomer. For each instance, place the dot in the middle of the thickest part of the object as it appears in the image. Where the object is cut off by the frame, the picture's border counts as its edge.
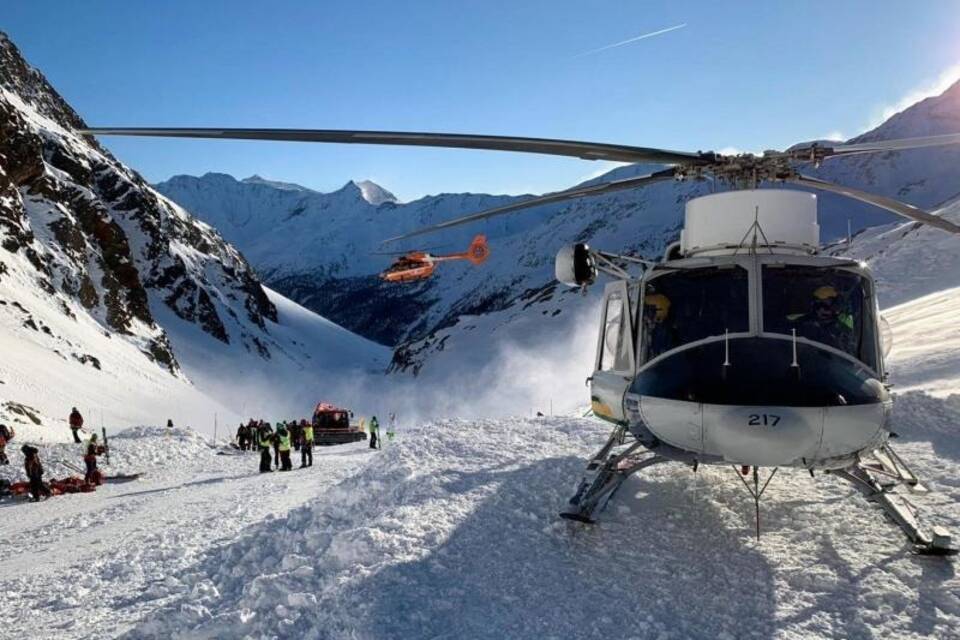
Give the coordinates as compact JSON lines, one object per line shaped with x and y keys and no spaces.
{"x":331,"y":425}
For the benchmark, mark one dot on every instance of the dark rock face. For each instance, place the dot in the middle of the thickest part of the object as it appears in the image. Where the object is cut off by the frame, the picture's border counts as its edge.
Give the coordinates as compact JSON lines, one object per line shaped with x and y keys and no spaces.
{"x":95,"y":232}
{"x":379,"y":311}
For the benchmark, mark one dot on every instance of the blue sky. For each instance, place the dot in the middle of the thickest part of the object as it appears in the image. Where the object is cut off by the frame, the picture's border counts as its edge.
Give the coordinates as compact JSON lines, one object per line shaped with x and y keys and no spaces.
{"x":744,"y":75}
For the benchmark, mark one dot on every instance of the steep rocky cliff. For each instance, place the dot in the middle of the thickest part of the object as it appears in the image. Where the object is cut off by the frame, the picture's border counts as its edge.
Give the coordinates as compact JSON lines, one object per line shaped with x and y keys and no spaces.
{"x":94,"y":236}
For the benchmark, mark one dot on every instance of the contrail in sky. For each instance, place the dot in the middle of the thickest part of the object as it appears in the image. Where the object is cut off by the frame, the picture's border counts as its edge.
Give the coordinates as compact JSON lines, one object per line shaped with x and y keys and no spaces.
{"x":641,"y":37}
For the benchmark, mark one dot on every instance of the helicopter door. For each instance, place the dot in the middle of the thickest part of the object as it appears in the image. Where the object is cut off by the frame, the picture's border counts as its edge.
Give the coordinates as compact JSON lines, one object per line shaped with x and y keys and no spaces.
{"x":614,"y":368}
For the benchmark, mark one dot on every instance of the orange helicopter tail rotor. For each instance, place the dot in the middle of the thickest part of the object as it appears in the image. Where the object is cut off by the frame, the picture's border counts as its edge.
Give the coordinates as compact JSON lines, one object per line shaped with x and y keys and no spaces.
{"x":479,"y":251}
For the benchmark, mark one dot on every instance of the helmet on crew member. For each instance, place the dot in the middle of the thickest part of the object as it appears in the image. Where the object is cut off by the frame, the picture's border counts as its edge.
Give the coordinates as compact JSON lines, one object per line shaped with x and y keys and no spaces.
{"x":660,"y":303}
{"x":826,"y":292}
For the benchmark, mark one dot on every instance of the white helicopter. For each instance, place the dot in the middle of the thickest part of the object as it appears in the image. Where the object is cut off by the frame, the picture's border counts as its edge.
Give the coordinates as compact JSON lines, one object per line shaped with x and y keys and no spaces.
{"x":743,"y":346}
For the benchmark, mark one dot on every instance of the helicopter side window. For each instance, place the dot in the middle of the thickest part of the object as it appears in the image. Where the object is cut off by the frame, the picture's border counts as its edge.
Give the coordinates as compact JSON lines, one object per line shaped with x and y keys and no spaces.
{"x":827,"y":305}
{"x":615,"y":355}
{"x":693,"y":304}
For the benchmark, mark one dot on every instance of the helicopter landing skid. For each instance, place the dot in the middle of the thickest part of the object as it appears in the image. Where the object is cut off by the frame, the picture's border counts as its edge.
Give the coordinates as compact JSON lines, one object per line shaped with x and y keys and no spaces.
{"x":605,"y":472}
{"x":877,"y":477}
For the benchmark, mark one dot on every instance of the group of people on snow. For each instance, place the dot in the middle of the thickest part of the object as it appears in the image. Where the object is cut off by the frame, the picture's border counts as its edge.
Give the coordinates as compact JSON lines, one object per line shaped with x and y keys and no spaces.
{"x":33,"y":466}
{"x":275,"y":445}
{"x":276,"y":442}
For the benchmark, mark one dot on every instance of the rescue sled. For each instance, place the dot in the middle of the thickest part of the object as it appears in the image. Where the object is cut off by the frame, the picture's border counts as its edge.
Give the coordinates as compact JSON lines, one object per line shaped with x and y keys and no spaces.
{"x":331,"y":425}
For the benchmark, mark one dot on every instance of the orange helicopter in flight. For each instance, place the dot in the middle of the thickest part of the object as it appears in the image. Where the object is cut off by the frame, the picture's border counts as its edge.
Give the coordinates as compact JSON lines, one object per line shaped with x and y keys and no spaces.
{"x":420,"y":265}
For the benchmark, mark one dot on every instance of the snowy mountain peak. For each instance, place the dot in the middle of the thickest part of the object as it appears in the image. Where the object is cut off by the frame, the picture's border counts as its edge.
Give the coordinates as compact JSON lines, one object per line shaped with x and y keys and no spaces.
{"x":931,"y":116}
{"x":374,"y":193}
{"x":276,"y":184}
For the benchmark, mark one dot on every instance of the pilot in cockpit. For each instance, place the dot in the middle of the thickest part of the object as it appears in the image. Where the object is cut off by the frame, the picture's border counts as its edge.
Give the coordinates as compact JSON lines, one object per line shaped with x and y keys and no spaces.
{"x":829,"y":320}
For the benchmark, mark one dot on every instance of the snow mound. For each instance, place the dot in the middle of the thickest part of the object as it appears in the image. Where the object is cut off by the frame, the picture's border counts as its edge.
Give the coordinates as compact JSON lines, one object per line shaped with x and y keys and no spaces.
{"x":453,"y":532}
{"x":146,"y":447}
{"x":936,"y":420}
{"x":135,"y":450}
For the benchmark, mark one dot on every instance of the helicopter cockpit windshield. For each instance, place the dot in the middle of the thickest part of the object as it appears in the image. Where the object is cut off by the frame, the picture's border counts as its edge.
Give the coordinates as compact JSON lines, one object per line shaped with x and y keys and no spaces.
{"x":684,"y":306}
{"x":827,"y":305}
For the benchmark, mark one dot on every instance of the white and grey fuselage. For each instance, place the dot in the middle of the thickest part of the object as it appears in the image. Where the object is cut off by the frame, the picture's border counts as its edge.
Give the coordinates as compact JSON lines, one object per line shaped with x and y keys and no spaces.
{"x":720,"y":352}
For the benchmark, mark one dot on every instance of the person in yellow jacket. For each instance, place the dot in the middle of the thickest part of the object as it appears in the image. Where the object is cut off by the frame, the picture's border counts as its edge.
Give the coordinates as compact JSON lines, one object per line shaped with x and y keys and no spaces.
{"x":306,"y":444}
{"x":264,"y":442}
{"x":283,"y":447}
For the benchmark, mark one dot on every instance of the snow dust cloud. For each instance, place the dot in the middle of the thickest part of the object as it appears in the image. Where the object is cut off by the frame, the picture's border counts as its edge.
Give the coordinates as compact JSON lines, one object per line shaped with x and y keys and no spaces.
{"x":519,"y":376}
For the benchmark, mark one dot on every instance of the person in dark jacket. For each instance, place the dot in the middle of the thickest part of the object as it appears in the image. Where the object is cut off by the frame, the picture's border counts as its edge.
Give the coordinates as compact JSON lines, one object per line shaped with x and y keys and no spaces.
{"x":90,"y":460}
{"x":6,"y":435}
{"x":374,"y":433}
{"x":242,"y":437}
{"x":276,"y":444}
{"x":264,"y":442}
{"x":34,"y":469}
{"x":76,"y":423}
{"x":296,"y":434}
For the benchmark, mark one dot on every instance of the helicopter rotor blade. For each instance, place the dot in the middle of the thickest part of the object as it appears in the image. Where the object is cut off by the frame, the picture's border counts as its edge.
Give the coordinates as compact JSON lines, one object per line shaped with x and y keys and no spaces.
{"x":402,"y":253}
{"x":894,"y":206}
{"x":895,"y":145}
{"x":559,"y":196}
{"x":572,"y":148}
{"x":828,"y":150}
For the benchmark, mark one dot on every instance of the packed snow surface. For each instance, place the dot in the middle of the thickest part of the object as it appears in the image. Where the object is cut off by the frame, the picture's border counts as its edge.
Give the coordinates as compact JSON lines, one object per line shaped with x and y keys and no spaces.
{"x":452,"y":531}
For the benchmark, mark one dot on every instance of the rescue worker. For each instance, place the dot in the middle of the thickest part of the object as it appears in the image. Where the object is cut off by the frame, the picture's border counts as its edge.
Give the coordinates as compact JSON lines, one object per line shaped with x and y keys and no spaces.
{"x":283,"y":447}
{"x":827,"y":321}
{"x":658,"y":338}
{"x":296,"y":434}
{"x":276,"y":445}
{"x":76,"y":423}
{"x":34,"y":469}
{"x":242,"y":437}
{"x":374,"y":433}
{"x":90,"y":460}
{"x":306,"y":444}
{"x":6,"y":435}
{"x":264,"y":441}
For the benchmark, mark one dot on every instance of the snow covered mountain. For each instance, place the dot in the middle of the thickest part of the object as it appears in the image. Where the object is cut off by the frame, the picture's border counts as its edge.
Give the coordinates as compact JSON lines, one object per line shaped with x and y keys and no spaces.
{"x":104,"y":283}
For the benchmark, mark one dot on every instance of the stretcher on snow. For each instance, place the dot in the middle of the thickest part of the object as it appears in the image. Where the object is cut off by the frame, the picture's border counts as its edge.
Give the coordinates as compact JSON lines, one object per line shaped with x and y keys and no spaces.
{"x":70,"y":484}
{"x":331,"y":425}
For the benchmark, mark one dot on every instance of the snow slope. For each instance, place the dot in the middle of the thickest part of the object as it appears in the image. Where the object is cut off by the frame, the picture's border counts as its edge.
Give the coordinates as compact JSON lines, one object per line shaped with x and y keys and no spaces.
{"x":926,"y":349}
{"x":310,"y":359}
{"x":92,"y":565}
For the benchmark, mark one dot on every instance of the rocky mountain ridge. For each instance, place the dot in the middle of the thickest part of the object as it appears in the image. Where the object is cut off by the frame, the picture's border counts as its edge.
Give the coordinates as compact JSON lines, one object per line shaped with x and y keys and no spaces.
{"x":94,"y":235}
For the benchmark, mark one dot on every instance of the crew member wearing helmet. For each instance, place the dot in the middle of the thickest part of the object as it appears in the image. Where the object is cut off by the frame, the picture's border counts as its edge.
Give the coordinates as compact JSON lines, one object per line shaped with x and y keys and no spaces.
{"x":829,"y":321}
{"x":656,"y":310}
